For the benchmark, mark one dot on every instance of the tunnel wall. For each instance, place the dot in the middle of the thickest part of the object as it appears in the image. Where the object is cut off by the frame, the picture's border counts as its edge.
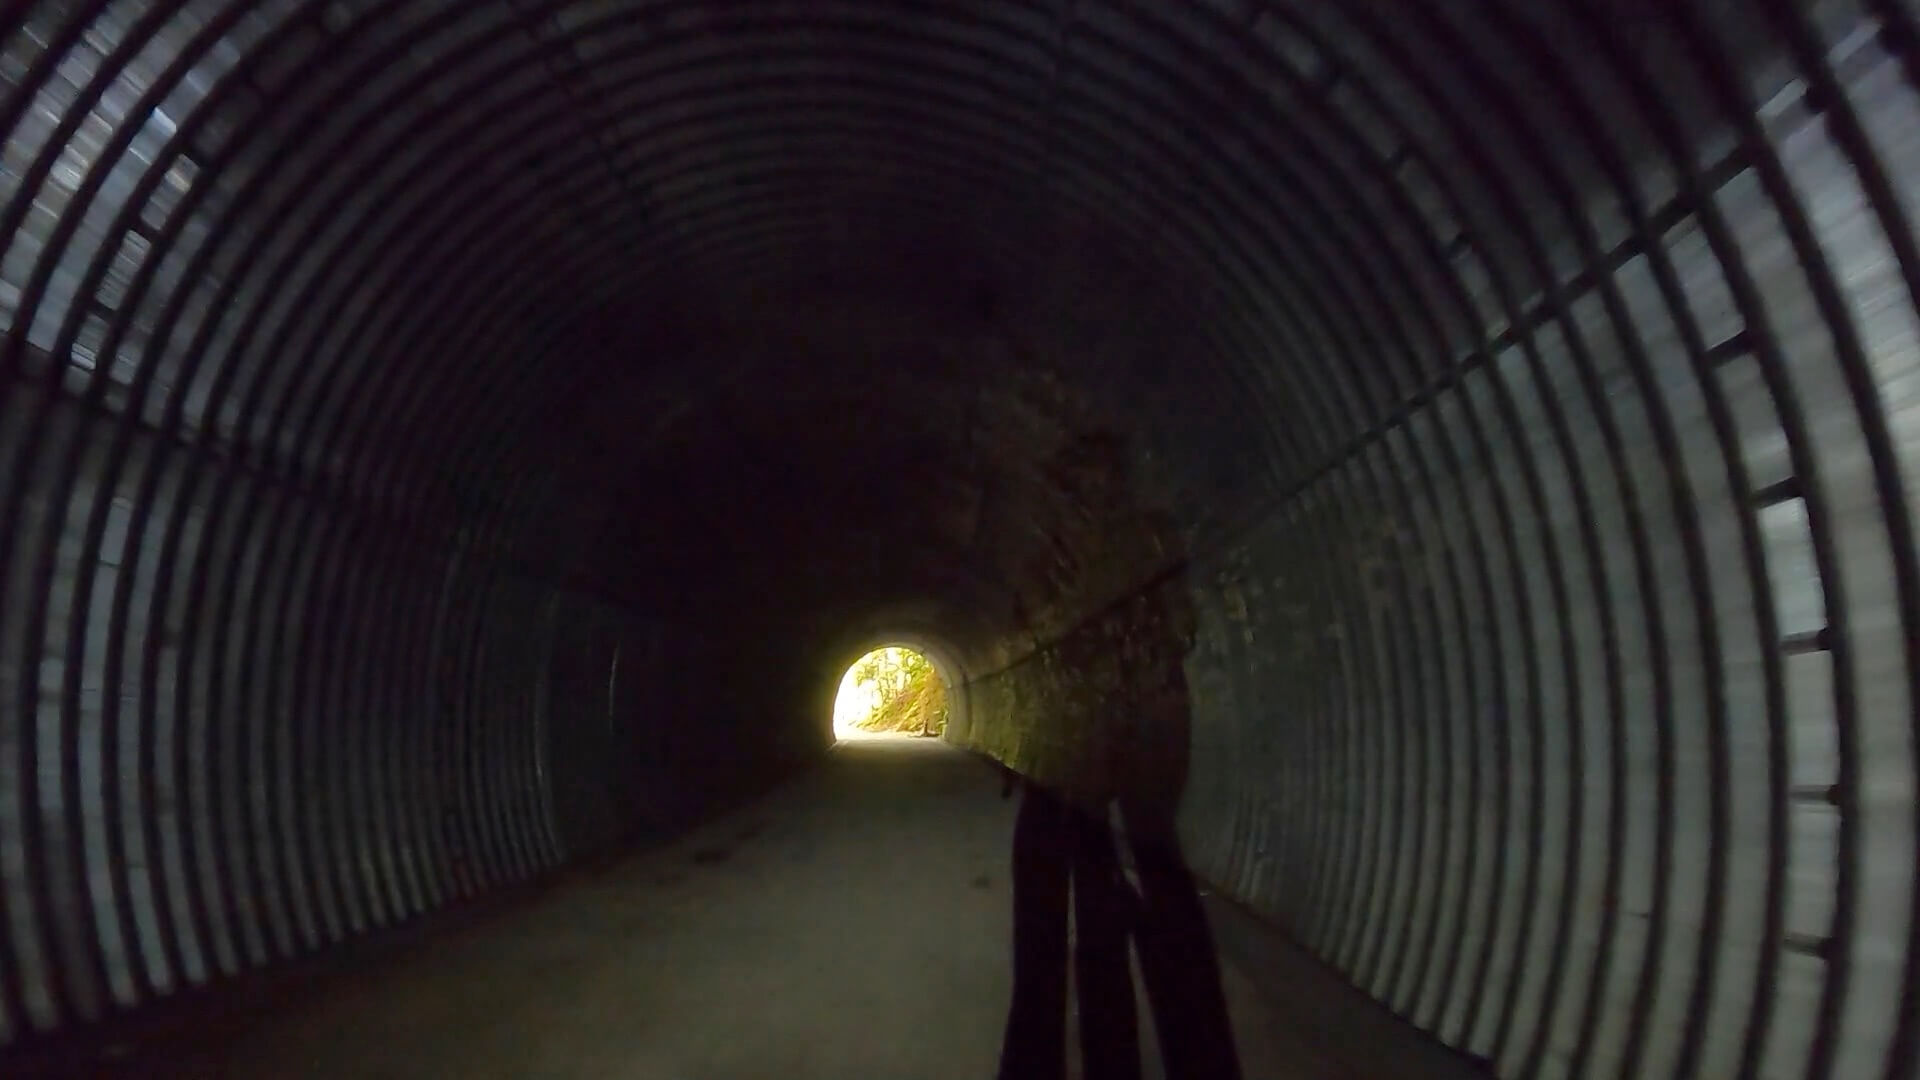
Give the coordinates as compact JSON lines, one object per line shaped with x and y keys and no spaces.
{"x":268,"y":719}
{"x":1564,"y":708}
{"x":1533,"y":382}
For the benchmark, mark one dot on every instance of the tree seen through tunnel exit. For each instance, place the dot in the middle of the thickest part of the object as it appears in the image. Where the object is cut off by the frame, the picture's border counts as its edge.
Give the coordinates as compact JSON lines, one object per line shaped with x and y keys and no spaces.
{"x":894,"y":689}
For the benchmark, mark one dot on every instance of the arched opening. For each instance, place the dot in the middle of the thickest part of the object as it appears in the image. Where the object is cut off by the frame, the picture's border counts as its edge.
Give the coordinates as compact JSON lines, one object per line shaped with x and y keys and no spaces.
{"x":892,"y":691}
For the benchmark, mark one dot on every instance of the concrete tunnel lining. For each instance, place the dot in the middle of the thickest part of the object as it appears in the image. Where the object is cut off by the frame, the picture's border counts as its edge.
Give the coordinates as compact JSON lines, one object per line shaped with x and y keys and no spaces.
{"x":1513,"y":399}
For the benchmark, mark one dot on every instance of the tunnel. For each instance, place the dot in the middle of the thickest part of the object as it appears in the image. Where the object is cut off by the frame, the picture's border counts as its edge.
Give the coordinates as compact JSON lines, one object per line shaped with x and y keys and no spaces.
{"x":443,"y":444}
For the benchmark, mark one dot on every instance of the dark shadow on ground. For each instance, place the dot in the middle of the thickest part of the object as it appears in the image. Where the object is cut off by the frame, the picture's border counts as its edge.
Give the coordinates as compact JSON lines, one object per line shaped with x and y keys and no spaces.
{"x":1074,"y":900}
{"x":1066,"y":861}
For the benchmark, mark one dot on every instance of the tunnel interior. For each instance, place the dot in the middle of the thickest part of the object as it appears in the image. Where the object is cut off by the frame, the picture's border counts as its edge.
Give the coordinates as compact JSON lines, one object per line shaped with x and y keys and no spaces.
{"x":1473,"y":445}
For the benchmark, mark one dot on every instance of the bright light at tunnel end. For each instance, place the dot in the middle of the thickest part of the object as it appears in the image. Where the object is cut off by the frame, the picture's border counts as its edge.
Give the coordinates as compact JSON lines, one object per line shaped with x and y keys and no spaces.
{"x":854,"y":702}
{"x":867,"y":685}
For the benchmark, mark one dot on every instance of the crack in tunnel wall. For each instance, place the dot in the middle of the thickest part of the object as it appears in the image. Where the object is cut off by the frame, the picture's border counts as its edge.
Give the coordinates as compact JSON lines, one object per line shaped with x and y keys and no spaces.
{"x":1465,"y":450}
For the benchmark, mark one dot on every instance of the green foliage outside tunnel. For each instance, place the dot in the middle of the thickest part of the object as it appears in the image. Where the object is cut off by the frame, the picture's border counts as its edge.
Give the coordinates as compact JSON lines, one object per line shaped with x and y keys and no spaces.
{"x":894,"y":689}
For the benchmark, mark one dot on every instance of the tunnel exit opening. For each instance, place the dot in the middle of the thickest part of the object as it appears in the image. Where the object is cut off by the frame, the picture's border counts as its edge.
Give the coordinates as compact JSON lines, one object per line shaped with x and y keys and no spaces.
{"x":894,"y":690}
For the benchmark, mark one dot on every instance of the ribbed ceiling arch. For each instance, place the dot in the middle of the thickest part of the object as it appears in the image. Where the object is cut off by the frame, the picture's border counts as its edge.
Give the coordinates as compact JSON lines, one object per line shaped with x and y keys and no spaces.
{"x":1514,"y":397}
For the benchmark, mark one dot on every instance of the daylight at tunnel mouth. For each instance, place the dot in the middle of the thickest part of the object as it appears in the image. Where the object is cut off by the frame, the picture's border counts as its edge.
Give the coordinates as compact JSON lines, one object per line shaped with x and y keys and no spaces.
{"x":1459,"y":459}
{"x":892,"y":690}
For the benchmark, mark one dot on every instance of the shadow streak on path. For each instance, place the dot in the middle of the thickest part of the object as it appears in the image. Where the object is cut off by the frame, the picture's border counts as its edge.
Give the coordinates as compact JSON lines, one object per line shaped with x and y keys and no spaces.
{"x":855,"y":923}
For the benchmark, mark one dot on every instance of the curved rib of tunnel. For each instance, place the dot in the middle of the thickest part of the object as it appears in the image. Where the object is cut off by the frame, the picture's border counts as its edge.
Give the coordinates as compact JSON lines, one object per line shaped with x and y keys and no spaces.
{"x":416,"y":416}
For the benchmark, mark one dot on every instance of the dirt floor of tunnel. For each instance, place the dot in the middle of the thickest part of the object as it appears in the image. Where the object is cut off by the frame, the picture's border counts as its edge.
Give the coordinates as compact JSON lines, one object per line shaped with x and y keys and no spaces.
{"x":853,"y":923}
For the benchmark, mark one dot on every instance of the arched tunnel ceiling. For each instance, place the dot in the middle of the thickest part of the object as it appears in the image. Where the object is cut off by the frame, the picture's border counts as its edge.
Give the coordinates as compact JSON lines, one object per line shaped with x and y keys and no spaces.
{"x":1515,"y":397}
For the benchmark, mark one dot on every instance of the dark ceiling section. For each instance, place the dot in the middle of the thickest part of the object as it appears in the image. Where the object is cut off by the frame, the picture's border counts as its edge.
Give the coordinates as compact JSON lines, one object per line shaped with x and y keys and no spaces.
{"x":1516,"y":397}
